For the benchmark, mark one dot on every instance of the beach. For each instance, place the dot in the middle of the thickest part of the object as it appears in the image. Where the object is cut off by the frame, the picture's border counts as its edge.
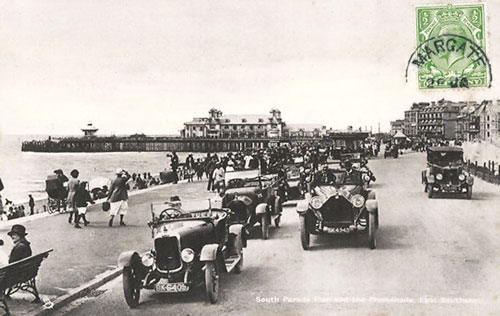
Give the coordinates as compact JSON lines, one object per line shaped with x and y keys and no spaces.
{"x":24,"y":173}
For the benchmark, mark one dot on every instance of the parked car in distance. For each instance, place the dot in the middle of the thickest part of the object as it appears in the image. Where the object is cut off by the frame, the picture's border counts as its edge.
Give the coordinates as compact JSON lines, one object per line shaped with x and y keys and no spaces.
{"x":445,"y":172}
{"x":391,"y":151}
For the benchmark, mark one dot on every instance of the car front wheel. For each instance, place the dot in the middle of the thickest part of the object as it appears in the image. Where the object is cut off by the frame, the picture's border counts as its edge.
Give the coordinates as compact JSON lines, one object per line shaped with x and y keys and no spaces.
{"x":211,"y":282}
{"x":430,"y":192}
{"x":468,"y":195}
{"x":304,"y":234}
{"x":131,"y":287}
{"x":372,"y":226}
{"x":264,"y":222}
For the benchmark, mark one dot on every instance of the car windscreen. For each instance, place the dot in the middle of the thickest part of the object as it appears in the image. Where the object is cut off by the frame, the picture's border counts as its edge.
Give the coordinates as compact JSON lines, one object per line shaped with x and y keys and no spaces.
{"x":343,"y":178}
{"x":246,"y":174}
{"x":243,"y":183}
{"x":445,"y":158}
{"x":187,"y":206}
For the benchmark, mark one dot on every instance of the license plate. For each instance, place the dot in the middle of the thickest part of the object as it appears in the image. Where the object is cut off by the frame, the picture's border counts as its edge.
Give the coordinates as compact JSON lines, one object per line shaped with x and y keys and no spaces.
{"x":171,"y":287}
{"x":336,"y":230}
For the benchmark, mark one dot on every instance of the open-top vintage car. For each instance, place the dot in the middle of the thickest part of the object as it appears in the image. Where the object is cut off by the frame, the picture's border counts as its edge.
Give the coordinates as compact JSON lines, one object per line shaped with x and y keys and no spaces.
{"x":253,"y":199}
{"x":445,"y":172}
{"x":338,"y":203}
{"x":193,"y":242}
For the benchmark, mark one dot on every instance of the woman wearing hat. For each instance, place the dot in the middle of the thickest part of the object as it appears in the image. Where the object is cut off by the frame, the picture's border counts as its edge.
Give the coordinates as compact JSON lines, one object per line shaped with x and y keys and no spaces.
{"x":21,"y":247}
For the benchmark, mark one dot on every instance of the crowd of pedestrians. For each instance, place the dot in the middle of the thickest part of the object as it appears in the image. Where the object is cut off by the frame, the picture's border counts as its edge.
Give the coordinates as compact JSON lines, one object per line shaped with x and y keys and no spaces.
{"x":73,"y":196}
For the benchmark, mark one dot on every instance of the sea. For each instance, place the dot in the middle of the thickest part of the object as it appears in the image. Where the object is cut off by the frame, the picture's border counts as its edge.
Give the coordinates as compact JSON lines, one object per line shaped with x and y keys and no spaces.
{"x":24,"y":173}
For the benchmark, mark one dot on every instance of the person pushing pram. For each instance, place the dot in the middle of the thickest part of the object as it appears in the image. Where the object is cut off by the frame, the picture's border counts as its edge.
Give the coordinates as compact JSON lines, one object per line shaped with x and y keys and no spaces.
{"x":54,"y":186}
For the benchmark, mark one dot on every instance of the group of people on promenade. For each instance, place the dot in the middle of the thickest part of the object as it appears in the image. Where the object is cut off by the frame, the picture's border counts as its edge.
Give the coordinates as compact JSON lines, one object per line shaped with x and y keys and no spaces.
{"x":73,"y":194}
{"x":214,"y":166}
{"x":78,"y":197}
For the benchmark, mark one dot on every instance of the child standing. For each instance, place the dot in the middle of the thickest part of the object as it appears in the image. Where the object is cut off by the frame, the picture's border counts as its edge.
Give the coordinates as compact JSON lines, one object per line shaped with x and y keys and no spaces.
{"x":82,"y":198}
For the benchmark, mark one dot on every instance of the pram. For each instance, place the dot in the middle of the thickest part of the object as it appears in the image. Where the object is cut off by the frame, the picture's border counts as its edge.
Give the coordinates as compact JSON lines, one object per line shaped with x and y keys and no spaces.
{"x":57,"y":194}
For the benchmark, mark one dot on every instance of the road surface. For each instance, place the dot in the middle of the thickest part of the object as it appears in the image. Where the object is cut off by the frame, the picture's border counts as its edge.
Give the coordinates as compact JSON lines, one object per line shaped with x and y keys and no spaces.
{"x":438,"y":256}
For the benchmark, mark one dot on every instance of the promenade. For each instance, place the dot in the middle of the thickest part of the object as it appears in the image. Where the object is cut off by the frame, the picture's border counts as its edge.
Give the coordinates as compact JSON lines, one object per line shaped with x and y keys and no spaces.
{"x":434,"y":257}
{"x":428,"y":250}
{"x":82,"y":254}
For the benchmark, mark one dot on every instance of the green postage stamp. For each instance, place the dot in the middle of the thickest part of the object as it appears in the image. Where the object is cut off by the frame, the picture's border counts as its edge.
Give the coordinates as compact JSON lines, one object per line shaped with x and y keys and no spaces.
{"x":451,"y":47}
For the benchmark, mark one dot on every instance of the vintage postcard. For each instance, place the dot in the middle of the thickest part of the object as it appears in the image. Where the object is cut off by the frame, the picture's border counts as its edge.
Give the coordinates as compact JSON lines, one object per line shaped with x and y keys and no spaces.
{"x":250,"y":157}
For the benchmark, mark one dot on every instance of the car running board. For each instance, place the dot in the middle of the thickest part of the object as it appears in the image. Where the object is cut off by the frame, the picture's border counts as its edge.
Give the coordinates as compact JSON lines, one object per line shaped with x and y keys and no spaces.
{"x":231,"y":263}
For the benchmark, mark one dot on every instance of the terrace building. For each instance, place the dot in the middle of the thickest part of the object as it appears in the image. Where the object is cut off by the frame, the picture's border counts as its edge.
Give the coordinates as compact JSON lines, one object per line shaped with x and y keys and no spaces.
{"x":411,"y":119}
{"x":439,"y":120}
{"x":489,"y":116}
{"x":468,"y":122}
{"x":397,"y":125}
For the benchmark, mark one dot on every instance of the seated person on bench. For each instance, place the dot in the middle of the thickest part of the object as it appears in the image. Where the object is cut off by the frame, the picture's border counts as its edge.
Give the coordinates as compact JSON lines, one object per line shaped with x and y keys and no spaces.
{"x":21,"y":247}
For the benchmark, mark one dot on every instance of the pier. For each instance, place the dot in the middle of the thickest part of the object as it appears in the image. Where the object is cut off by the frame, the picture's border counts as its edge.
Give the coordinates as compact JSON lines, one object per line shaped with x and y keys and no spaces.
{"x":142,"y":143}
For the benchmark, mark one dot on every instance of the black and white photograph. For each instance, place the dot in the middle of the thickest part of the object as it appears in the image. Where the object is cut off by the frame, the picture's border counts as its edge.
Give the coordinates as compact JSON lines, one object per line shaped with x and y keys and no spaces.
{"x":250,"y":158}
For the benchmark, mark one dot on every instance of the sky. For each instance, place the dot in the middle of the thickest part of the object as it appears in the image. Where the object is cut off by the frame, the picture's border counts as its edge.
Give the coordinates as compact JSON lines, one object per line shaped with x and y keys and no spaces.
{"x":148,"y":66}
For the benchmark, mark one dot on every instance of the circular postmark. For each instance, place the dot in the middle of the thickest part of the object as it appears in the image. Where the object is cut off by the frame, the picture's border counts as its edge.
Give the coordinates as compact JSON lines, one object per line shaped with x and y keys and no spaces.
{"x":450,"y":60}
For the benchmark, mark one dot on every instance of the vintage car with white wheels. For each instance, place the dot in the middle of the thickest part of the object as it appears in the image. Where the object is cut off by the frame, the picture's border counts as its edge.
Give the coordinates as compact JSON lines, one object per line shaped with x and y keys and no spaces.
{"x":338,"y":203}
{"x":194,"y":243}
{"x":253,"y":199}
{"x":445,"y":172}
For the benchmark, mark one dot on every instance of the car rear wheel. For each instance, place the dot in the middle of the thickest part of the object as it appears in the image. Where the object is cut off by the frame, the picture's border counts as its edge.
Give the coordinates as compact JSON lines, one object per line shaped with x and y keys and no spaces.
{"x":239,"y":266}
{"x":131,"y":288}
{"x":211,"y":282}
{"x":238,"y":250}
{"x":304,"y":234}
{"x":372,"y":226}
{"x":264,"y":222}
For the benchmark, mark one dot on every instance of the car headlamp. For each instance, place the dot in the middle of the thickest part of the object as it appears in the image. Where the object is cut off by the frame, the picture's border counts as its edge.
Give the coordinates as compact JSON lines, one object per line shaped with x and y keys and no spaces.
{"x":366,"y":177}
{"x":187,"y":255}
{"x":358,"y":201}
{"x":461,"y":177}
{"x":316,"y":202}
{"x":147,"y":259}
{"x":439,"y":176}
